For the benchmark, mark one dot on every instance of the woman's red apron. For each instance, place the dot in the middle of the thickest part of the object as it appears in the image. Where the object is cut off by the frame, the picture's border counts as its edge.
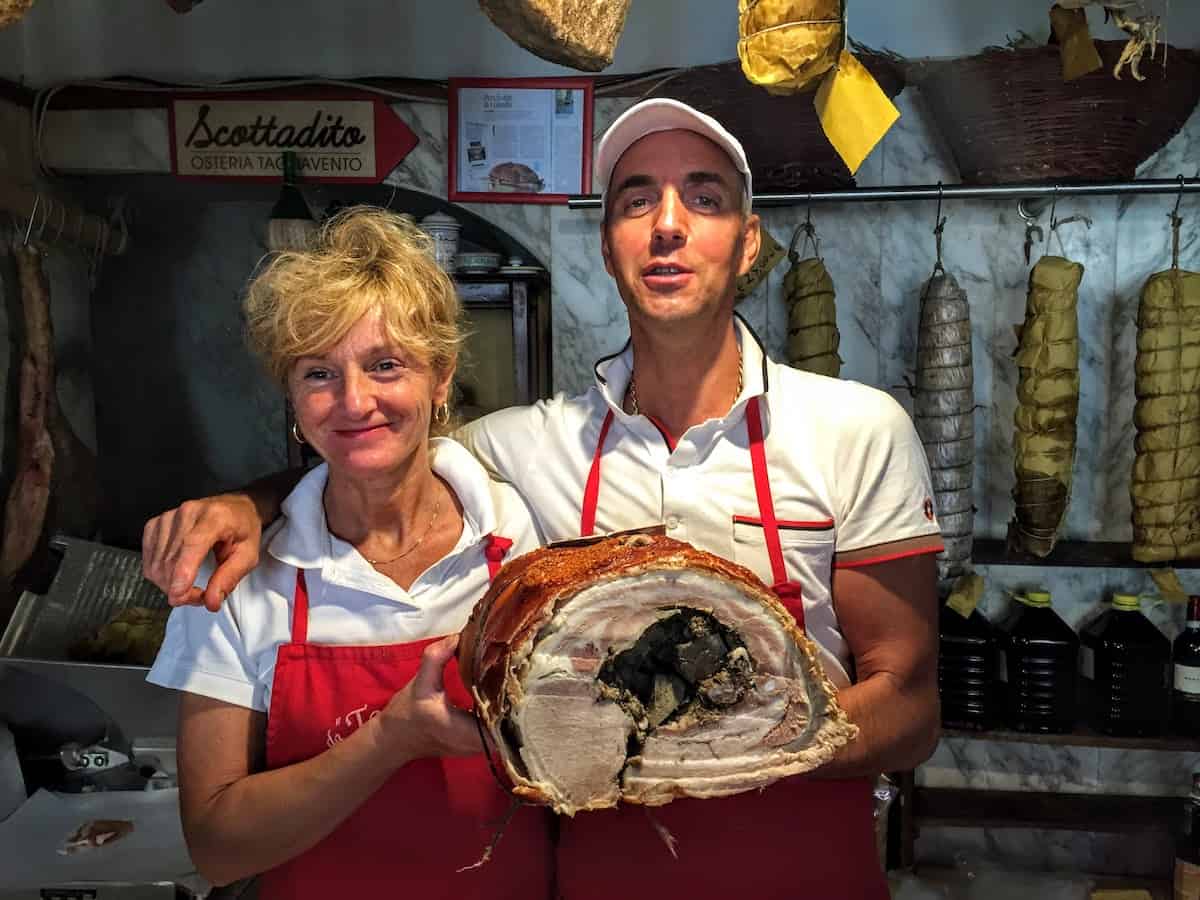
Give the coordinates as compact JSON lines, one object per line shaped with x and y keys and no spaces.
{"x":800,"y":837}
{"x":432,"y":818}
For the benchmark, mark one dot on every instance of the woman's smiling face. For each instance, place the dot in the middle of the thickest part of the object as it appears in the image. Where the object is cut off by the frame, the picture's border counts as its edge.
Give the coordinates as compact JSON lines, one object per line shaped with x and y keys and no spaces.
{"x":365,"y":405}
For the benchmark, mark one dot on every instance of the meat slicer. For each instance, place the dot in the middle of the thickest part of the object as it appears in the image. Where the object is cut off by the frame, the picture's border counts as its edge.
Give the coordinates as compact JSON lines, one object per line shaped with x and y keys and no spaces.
{"x":94,"y":742}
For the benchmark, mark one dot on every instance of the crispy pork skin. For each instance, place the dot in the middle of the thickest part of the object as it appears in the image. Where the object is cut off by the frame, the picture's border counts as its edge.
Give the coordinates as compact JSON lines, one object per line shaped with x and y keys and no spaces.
{"x":641,"y":669}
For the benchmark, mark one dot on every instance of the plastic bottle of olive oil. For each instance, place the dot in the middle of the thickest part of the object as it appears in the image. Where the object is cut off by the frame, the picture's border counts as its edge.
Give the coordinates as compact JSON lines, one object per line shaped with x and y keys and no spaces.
{"x":1039,"y":665}
{"x":967,"y":670}
{"x":1125,"y":662}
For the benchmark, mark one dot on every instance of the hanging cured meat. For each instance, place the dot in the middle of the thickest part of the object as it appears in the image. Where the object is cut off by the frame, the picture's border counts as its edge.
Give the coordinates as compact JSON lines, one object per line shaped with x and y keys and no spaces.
{"x":1047,"y":404}
{"x":12,"y":11}
{"x":943,"y":411}
{"x":29,"y":494}
{"x":1166,"y":471}
{"x":813,"y":336}
{"x":770,"y":252}
{"x":638,"y":668}
{"x":581,"y":34}
{"x":54,"y":485}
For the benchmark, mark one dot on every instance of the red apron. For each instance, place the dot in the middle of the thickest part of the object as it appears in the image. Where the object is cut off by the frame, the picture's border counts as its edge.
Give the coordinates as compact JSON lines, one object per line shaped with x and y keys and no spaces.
{"x":433,"y":816}
{"x":801,"y":837}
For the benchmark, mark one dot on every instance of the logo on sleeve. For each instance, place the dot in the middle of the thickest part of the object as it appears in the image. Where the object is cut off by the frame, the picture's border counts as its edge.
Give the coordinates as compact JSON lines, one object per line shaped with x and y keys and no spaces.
{"x":929,"y":509}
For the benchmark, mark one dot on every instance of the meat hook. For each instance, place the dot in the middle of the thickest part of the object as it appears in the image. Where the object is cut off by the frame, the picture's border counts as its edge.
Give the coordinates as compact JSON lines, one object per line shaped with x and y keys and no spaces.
{"x":37,"y":199}
{"x":939,"y":224}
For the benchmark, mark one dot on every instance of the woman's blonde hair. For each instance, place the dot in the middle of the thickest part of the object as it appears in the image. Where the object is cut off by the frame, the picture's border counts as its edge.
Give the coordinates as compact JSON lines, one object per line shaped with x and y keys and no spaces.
{"x":363,"y":259}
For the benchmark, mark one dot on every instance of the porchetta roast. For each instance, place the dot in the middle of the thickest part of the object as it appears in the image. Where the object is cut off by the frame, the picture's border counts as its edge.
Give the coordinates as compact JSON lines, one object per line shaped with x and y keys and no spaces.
{"x":639,"y":669}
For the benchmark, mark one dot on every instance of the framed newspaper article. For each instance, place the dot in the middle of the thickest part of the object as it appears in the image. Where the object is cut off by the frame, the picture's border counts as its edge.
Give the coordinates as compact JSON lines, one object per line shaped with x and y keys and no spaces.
{"x":519,"y":140}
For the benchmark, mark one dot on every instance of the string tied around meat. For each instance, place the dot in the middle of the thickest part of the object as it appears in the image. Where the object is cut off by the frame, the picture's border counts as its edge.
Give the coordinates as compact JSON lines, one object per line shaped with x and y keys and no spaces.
{"x":515,"y":803}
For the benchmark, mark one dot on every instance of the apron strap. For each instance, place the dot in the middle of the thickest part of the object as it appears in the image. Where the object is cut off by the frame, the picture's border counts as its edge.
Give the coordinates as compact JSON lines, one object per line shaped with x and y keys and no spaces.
{"x":591,"y":493}
{"x":762,"y":490}
{"x":495,"y":550}
{"x":786,"y":590}
{"x":300,"y":610}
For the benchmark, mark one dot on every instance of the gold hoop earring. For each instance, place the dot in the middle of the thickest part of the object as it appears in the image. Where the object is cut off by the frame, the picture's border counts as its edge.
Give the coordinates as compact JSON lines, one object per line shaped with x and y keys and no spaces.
{"x":296,"y":435}
{"x":441,"y":415}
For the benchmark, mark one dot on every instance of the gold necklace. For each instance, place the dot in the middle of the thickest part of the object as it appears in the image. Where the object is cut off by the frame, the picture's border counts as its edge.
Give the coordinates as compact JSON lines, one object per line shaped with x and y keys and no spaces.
{"x":437,"y":508}
{"x":633,"y":398}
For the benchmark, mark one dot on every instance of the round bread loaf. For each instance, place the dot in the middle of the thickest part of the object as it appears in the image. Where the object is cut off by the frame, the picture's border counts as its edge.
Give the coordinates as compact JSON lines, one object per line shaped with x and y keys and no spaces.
{"x":514,"y":177}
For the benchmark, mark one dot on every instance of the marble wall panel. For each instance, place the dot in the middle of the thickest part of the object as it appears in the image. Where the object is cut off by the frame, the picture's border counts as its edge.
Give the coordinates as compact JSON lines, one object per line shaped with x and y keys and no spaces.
{"x":1148,"y":773}
{"x":588,"y":318}
{"x":981,"y":850}
{"x":1079,"y":593}
{"x":1004,"y":766}
{"x":1016,"y":766}
{"x":425,"y":170}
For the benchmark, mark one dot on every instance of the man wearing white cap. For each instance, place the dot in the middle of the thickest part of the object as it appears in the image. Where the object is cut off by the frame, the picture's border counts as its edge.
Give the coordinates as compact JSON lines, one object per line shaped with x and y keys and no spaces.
{"x":818,"y":485}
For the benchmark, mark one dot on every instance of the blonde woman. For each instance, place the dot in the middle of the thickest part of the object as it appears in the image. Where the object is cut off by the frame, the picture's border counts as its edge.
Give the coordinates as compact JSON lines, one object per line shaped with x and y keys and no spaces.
{"x":323,"y":738}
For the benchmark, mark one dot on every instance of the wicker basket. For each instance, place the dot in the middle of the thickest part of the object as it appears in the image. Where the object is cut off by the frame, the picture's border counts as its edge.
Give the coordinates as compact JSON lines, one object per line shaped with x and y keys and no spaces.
{"x":11,"y":11}
{"x":787,"y":148}
{"x":1008,"y":116}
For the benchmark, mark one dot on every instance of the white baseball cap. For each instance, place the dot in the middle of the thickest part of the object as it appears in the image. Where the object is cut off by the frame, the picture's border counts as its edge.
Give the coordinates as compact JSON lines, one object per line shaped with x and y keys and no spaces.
{"x":664,"y":114}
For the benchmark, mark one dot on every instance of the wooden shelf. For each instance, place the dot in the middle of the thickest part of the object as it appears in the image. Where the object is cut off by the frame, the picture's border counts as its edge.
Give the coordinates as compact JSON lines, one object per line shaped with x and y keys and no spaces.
{"x":955,"y":882}
{"x":1034,"y":809}
{"x":1106,"y":554}
{"x":485,"y":277}
{"x":1081,"y":737}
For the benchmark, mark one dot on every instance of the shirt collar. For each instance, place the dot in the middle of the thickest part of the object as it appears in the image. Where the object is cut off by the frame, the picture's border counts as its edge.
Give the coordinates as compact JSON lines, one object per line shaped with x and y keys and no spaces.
{"x":304,"y":539}
{"x":613,"y":372}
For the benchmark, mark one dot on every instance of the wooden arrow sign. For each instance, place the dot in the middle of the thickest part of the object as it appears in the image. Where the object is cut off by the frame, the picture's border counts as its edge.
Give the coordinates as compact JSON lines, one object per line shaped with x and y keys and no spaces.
{"x":337,"y":137}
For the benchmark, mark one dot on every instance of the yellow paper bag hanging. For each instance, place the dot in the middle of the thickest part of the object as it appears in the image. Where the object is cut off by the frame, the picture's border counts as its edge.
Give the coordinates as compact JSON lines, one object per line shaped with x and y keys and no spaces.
{"x":786,"y":45}
{"x":854,"y":112}
{"x":791,"y":45}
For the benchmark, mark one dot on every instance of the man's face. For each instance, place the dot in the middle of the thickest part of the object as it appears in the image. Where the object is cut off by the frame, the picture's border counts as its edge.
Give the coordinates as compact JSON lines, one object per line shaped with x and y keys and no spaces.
{"x":675,"y":238}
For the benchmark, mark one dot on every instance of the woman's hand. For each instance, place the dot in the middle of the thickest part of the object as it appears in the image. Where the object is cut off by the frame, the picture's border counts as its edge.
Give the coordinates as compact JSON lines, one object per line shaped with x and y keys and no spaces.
{"x":420,"y":722}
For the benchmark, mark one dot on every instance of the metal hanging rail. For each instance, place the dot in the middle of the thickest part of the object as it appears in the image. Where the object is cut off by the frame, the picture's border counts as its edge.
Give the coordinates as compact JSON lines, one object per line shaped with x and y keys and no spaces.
{"x":1178,"y":185}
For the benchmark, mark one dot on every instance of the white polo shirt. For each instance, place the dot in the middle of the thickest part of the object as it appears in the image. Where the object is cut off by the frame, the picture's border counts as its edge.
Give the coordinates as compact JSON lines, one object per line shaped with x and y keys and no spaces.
{"x":230,"y":655}
{"x":848,"y":475}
